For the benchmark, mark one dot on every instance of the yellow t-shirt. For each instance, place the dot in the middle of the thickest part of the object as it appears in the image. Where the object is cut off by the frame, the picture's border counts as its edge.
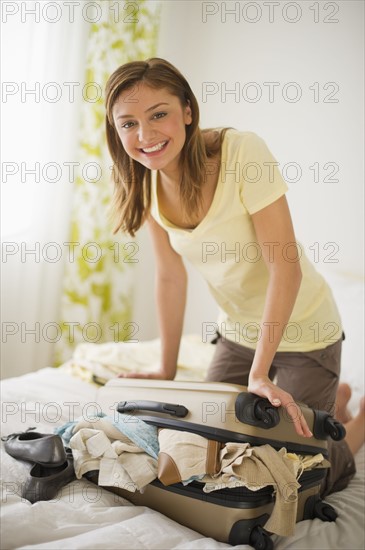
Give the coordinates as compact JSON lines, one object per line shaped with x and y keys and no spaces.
{"x":224,"y":248}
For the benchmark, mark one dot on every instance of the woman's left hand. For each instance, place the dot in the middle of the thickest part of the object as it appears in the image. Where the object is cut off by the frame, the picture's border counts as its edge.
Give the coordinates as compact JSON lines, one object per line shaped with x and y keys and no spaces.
{"x":262,"y":386}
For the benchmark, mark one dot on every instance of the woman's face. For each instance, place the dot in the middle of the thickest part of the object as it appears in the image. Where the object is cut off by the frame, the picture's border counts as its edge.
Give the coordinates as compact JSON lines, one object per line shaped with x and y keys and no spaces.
{"x":151,"y":126}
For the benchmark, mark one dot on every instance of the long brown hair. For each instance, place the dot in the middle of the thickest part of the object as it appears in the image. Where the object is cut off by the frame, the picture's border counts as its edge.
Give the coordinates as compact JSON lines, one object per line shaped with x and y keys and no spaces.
{"x":132,"y":180}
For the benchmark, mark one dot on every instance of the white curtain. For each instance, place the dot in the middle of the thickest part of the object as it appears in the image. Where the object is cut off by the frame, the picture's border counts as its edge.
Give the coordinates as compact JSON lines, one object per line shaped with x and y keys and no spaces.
{"x":44,"y":54}
{"x":39,"y":124}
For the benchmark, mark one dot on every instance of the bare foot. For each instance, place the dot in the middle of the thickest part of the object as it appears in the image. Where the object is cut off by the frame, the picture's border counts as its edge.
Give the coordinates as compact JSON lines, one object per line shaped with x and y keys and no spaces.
{"x":355,"y":429}
{"x":343,"y":396}
{"x":362,"y":406}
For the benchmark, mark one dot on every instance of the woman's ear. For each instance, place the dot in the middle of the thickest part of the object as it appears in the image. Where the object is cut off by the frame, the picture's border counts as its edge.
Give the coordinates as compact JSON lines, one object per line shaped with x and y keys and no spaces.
{"x":188,"y":113}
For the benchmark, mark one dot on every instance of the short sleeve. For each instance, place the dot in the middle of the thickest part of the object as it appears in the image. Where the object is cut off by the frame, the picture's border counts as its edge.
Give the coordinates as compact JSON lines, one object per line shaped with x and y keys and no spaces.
{"x":261,"y":182}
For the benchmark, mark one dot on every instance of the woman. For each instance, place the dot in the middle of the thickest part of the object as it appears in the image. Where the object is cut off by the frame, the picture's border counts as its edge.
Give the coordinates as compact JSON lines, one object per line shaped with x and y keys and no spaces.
{"x":217,"y":198}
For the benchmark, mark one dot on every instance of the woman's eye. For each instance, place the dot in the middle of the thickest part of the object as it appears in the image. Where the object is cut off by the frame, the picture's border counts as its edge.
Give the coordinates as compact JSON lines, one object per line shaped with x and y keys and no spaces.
{"x":159,"y":115}
{"x":127,"y":125}
{"x":130,"y":124}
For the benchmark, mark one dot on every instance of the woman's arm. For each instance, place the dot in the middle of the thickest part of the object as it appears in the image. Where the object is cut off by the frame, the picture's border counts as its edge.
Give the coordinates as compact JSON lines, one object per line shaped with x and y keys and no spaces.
{"x":171,"y":286}
{"x":275,"y":235}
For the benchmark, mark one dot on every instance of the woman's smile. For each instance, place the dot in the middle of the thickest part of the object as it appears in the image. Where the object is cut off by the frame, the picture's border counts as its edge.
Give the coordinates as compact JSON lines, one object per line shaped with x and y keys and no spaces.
{"x":152,"y":127}
{"x":155,"y":149}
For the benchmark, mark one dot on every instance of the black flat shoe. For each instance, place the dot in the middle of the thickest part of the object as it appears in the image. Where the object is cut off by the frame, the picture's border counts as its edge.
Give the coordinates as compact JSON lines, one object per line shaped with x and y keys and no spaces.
{"x":44,"y":483}
{"x":44,"y":449}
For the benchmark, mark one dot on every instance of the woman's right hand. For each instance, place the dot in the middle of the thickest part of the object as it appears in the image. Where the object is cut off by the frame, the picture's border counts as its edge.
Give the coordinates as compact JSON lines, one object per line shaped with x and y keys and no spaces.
{"x":264,"y":387}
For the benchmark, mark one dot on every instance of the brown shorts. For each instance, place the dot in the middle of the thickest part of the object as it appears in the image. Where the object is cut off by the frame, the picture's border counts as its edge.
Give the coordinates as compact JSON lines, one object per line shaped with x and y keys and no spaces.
{"x":311,"y":377}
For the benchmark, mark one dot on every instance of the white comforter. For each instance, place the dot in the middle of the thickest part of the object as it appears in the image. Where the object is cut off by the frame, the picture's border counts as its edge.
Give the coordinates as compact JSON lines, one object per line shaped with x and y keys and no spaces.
{"x":85,"y":516}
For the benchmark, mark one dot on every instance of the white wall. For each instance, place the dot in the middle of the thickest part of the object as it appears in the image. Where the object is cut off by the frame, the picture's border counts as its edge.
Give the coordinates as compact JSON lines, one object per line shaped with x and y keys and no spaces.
{"x":222,"y":51}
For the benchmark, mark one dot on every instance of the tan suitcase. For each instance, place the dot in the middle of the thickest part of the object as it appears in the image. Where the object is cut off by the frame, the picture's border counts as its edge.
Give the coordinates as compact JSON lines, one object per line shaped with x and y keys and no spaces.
{"x":222,"y":412}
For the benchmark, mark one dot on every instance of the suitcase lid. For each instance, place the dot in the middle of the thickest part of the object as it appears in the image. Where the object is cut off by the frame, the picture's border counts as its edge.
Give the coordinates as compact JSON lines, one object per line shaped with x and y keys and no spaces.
{"x":211,"y":409}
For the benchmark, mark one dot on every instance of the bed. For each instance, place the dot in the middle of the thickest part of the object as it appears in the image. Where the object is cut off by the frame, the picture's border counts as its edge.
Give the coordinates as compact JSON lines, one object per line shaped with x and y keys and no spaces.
{"x":84,"y":516}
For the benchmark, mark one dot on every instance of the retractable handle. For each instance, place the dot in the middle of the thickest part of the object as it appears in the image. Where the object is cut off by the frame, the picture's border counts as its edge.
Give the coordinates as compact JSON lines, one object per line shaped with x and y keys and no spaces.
{"x":153,"y":406}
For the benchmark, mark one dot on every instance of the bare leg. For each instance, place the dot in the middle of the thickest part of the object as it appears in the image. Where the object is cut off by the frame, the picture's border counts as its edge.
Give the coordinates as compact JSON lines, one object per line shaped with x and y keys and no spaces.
{"x":343,"y":396}
{"x":355,"y":427}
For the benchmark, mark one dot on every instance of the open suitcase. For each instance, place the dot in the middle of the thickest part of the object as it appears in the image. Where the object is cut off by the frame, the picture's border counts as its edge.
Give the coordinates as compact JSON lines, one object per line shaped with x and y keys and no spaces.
{"x":223,"y":412}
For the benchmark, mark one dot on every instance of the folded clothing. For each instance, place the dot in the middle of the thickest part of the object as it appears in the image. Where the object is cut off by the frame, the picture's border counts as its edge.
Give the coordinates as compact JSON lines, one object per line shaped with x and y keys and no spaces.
{"x":120,"y":462}
{"x":185,"y":456}
{"x":258,"y":467}
{"x":123,"y":450}
{"x":142,"y":434}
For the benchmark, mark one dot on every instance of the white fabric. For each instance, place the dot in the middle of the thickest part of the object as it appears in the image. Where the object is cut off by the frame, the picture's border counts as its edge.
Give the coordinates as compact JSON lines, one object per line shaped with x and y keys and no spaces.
{"x":119,"y":461}
{"x":49,"y":59}
{"x":112,"y":358}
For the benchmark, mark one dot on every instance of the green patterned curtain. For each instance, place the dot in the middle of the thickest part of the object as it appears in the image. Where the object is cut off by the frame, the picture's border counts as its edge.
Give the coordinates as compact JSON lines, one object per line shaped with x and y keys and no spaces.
{"x":97,"y":295}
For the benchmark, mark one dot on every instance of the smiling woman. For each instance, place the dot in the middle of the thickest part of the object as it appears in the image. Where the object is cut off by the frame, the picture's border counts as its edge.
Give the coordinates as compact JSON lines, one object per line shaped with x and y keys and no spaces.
{"x":268,"y":307}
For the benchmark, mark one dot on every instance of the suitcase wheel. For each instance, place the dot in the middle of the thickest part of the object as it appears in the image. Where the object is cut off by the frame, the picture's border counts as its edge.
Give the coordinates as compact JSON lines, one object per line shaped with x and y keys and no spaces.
{"x":335,"y":429}
{"x":324,"y":511}
{"x":250,"y":531}
{"x":260,"y":539}
{"x":325,"y":425}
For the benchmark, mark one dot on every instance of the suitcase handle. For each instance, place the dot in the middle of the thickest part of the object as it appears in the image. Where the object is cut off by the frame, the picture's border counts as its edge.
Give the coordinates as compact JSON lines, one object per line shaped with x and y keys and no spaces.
{"x":154,"y":406}
{"x":256,"y":411}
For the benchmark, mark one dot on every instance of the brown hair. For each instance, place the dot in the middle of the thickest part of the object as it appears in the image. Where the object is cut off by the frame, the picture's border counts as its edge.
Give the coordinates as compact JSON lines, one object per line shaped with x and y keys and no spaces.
{"x":132,"y":180}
